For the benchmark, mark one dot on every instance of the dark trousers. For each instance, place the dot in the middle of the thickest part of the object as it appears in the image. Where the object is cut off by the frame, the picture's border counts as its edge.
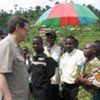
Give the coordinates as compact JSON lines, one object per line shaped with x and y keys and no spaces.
{"x":97,"y":95}
{"x":54,"y":93}
{"x":70,"y":91}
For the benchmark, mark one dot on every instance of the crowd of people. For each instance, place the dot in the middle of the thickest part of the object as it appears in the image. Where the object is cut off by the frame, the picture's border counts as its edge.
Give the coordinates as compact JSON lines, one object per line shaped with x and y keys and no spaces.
{"x":53,"y":72}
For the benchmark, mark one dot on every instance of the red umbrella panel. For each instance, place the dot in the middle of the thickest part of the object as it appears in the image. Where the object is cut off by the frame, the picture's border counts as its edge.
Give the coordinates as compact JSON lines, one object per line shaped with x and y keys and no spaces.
{"x":67,"y":14}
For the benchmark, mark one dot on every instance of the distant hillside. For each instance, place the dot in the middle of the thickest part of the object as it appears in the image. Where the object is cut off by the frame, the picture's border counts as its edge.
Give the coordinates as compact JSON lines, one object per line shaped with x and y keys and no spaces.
{"x":83,"y":33}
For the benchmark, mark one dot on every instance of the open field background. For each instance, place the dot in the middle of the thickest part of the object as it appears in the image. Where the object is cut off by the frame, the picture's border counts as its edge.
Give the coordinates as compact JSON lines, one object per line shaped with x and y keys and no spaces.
{"x":84,"y":34}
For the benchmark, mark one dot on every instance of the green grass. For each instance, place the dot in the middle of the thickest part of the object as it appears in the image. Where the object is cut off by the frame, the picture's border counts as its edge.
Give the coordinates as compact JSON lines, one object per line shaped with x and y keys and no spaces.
{"x":84,"y":36}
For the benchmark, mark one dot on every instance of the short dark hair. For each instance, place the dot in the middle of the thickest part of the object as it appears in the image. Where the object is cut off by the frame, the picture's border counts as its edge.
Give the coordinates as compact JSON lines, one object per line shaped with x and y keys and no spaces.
{"x":39,"y":38}
{"x":52,"y":33}
{"x":75,"y":41}
{"x":14,"y":20}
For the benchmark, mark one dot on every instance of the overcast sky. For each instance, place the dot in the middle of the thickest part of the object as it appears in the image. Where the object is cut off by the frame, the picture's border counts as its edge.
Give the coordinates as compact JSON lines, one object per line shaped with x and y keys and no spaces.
{"x":8,"y":5}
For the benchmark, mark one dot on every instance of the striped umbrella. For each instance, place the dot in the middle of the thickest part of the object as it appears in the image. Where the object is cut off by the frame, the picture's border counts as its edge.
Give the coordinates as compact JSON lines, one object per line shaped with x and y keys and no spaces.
{"x":63,"y":14}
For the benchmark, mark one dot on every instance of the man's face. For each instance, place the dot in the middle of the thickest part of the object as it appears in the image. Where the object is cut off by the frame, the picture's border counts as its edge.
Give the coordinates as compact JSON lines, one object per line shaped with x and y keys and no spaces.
{"x":69,"y":45}
{"x":50,"y":39}
{"x":37,"y":45}
{"x":25,"y":50}
{"x":88,"y":51}
{"x":22,"y":32}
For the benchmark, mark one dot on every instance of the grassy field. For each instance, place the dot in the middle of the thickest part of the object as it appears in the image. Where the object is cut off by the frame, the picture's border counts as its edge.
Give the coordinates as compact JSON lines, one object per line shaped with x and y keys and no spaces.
{"x":84,"y":34}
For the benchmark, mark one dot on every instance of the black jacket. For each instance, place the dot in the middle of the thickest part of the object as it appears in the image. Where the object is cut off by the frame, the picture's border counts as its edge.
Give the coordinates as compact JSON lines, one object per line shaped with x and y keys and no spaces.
{"x":43,"y":68}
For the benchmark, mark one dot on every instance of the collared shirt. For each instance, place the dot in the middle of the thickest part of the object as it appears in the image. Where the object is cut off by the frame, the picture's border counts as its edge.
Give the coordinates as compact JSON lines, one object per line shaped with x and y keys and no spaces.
{"x":13,"y":66}
{"x":69,"y":65}
{"x":55,"y":52}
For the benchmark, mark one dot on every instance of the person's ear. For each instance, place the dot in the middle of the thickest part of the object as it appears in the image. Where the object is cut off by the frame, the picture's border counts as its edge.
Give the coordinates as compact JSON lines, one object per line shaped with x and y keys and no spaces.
{"x":17,"y":28}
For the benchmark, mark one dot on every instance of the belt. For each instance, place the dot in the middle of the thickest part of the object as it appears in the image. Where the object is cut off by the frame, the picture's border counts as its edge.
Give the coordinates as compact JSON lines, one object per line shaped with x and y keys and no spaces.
{"x":71,"y":85}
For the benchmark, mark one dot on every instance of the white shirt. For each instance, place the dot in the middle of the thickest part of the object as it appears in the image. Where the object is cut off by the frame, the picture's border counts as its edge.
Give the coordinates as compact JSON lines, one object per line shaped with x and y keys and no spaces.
{"x":69,"y":64}
{"x":55,"y":52}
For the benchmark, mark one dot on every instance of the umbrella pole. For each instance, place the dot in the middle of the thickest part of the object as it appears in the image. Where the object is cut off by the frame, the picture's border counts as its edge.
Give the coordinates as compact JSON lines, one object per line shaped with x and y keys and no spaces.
{"x":65,"y":1}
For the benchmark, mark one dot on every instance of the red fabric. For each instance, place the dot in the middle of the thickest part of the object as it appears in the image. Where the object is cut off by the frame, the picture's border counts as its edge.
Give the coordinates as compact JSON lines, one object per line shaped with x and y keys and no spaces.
{"x":62,"y":10}
{"x":69,"y":21}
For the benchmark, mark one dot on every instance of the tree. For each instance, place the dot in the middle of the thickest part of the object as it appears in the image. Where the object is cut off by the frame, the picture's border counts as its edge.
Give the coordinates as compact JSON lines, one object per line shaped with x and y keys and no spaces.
{"x":15,"y":6}
{"x":47,"y":7}
{"x":4,"y":16}
{"x":37,"y":8}
{"x":91,"y":7}
{"x":57,"y":3}
{"x":11,"y":11}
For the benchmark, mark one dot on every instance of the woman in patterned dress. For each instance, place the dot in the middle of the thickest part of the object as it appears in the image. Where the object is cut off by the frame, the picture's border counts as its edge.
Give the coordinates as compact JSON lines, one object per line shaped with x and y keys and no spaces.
{"x":88,"y":91}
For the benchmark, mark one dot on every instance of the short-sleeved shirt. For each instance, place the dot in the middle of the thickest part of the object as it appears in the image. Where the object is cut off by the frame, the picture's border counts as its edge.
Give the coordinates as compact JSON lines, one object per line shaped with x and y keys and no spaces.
{"x":13,"y":66}
{"x":69,"y":65}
